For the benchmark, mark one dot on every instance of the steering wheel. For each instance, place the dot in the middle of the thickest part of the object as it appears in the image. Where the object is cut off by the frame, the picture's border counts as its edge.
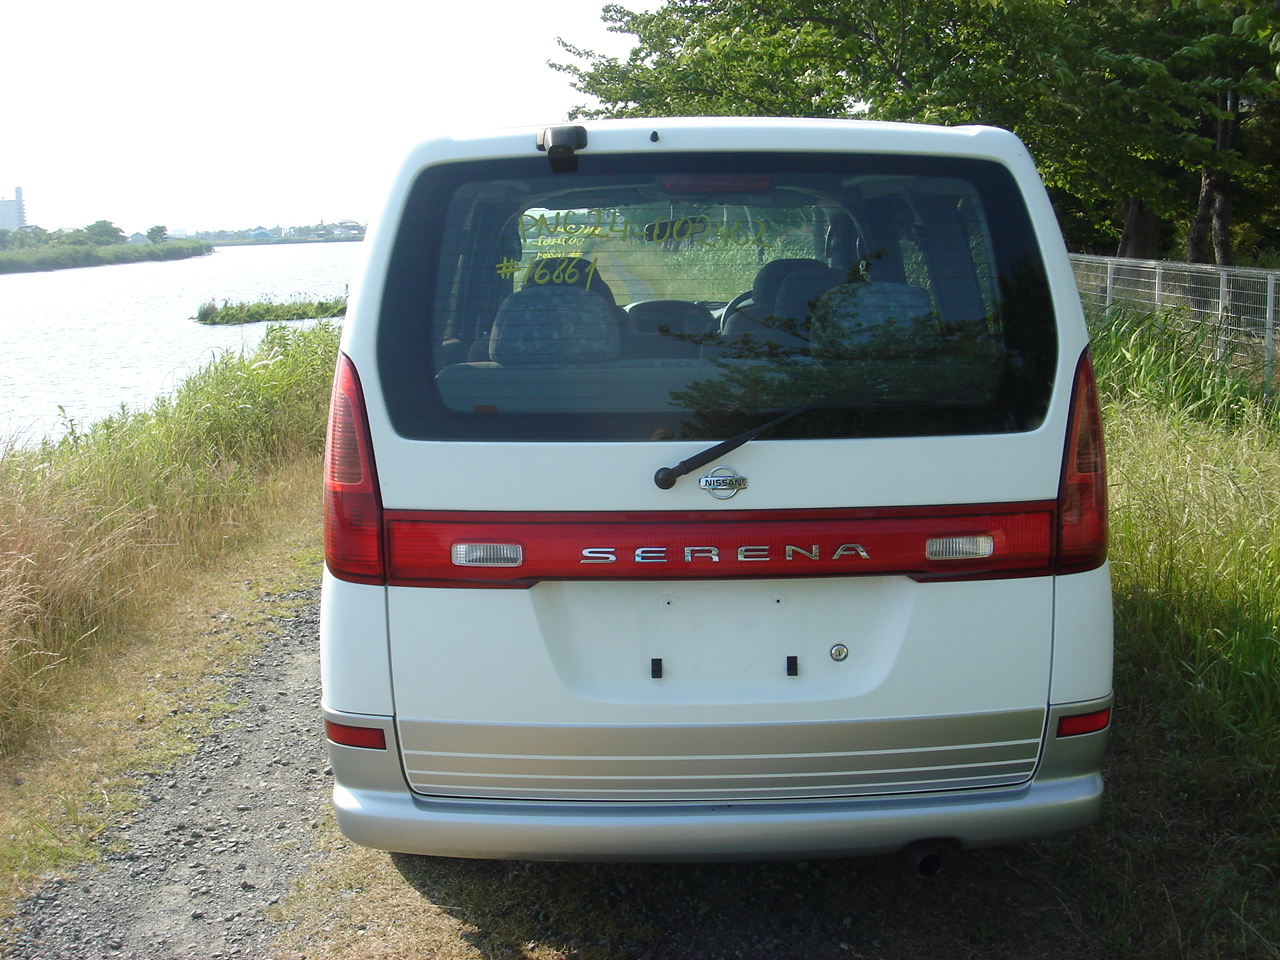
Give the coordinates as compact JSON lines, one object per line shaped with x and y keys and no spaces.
{"x":733,"y":306}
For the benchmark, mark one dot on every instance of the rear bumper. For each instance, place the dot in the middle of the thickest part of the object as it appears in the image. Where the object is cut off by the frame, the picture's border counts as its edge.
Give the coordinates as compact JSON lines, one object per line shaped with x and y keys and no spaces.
{"x":375,"y":808}
{"x":401,"y":822}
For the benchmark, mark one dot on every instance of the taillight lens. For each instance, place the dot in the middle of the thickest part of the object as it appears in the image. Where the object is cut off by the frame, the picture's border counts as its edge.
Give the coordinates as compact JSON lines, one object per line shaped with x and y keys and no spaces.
{"x":369,"y":738}
{"x":1082,"y":497}
{"x":1081,"y":723}
{"x":352,"y":506}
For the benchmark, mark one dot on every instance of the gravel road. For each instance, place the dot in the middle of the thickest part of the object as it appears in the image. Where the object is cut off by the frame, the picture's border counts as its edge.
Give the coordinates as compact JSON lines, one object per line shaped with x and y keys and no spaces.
{"x":219,"y":837}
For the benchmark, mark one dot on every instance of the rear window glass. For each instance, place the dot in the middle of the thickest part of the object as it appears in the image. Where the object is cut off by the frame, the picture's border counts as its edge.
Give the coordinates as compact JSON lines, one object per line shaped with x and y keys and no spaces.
{"x":695,"y":296}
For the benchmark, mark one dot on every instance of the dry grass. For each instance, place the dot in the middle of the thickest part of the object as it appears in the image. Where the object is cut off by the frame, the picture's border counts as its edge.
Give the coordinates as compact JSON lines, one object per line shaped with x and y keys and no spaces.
{"x":104,"y":670}
{"x":130,"y":706}
{"x":93,"y":525}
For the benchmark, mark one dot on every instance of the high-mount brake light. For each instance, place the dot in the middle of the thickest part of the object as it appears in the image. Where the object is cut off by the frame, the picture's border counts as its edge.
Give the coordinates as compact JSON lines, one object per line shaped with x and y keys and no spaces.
{"x":352,"y":505}
{"x":1082,"y":498}
{"x":718,"y":183}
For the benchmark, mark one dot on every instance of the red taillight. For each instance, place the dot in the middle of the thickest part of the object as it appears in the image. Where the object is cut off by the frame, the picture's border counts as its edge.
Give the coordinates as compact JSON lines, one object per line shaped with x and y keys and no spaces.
{"x":1082,"y":497}
{"x":1084,"y":723}
{"x":370,"y":738}
{"x":352,"y":507}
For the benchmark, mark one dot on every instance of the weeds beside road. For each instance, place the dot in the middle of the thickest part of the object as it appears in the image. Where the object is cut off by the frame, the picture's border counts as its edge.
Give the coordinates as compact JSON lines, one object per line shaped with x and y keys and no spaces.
{"x":97,"y":527}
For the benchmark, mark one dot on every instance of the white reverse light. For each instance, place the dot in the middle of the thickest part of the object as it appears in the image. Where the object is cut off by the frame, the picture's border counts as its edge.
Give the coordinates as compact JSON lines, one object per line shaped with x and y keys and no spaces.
{"x":487,"y":554}
{"x":960,"y":548}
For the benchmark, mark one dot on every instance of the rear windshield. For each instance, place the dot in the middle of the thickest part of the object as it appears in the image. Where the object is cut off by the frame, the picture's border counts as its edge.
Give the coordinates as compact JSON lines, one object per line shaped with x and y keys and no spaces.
{"x":682,"y":296}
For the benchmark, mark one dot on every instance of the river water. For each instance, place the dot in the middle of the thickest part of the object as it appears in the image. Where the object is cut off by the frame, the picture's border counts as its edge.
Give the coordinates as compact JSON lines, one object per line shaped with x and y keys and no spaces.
{"x":91,"y":339}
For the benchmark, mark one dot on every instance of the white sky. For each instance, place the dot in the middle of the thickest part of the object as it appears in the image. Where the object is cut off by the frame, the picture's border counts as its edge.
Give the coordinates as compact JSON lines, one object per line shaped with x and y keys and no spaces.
{"x":238,"y":113}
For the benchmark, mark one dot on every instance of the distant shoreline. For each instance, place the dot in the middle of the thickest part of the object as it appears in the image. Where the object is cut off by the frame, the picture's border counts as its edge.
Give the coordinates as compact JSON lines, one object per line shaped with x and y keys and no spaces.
{"x":274,"y":240}
{"x":70,"y":256}
{"x":54,"y":256}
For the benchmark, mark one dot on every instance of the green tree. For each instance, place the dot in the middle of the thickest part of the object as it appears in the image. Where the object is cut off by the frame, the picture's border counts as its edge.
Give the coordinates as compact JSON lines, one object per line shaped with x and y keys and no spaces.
{"x":1252,"y":18}
{"x":30,"y":237}
{"x":103,"y":232}
{"x":1133,"y":107}
{"x":158,"y":234}
{"x":70,"y":237}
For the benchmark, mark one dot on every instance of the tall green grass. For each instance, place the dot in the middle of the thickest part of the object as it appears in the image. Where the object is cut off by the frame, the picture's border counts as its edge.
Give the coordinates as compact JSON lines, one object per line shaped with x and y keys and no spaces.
{"x":1186,"y":861}
{"x":268,"y":311}
{"x":91,"y":522}
{"x":1162,"y":360}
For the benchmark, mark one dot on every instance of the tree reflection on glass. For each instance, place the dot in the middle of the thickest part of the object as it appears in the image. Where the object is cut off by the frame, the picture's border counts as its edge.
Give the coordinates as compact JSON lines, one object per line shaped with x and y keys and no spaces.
{"x":860,"y":346}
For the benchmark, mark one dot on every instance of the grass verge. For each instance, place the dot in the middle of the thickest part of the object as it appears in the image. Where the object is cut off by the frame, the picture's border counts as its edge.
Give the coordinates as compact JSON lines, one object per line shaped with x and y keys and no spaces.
{"x":104,"y":674}
{"x":1184,"y":862}
{"x":93,"y":525}
{"x":131,"y":705}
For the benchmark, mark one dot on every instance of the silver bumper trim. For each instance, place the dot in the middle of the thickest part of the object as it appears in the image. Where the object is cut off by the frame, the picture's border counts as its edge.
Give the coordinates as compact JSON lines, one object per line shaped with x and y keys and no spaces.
{"x":399,"y":822}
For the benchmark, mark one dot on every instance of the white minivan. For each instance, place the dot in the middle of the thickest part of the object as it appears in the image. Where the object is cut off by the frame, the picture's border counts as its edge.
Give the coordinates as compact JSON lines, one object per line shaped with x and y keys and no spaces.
{"x":711,"y":489}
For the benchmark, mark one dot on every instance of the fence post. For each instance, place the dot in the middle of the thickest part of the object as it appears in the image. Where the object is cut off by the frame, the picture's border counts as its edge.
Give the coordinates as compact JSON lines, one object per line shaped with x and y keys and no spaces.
{"x":1111,"y":283}
{"x":1269,"y":336}
{"x":1224,"y":335}
{"x":1159,"y":285}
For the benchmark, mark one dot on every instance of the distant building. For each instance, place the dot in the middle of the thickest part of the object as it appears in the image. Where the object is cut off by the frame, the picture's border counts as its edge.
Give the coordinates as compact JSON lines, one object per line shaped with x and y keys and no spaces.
{"x":139,"y":238}
{"x":12,"y":213}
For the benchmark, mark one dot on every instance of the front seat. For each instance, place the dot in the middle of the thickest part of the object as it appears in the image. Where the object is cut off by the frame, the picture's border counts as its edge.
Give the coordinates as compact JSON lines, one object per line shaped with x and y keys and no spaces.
{"x":753,"y":320}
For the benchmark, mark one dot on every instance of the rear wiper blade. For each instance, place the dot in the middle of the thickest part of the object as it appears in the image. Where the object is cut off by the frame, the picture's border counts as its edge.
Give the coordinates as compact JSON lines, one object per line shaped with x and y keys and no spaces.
{"x":666,"y":477}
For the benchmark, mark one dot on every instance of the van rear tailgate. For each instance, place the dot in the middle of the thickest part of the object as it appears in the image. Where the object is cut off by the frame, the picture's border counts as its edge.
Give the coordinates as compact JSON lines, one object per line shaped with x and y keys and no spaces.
{"x":680,"y":690}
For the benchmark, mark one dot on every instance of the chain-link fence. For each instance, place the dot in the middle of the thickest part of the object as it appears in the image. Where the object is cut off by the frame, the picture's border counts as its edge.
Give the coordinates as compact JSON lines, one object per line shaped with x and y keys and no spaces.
{"x":1235,"y":308}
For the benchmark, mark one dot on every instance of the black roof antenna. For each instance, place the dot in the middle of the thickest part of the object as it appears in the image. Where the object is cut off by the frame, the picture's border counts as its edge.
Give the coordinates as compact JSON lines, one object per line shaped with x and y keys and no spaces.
{"x":560,"y":144}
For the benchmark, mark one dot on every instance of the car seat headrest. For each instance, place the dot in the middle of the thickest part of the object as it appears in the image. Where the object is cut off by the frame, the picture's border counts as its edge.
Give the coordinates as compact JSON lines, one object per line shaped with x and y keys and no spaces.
{"x":764,"y":291}
{"x":554,"y":324}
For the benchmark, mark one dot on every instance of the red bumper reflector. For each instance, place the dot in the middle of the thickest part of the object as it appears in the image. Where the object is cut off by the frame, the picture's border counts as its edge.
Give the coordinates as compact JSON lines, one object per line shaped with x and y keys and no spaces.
{"x":1084,"y":723}
{"x":371,"y":738}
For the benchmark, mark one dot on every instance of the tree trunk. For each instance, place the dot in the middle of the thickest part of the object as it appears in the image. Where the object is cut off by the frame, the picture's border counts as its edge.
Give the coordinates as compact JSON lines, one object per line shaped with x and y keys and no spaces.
{"x":1222,"y":207}
{"x":1210,"y":231}
{"x":1212,"y":222}
{"x":1141,"y":237}
{"x":1198,"y":235}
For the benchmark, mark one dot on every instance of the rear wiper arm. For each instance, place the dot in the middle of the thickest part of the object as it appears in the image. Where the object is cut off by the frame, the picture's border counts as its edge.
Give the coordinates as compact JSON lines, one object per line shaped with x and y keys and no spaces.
{"x":666,"y":477}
